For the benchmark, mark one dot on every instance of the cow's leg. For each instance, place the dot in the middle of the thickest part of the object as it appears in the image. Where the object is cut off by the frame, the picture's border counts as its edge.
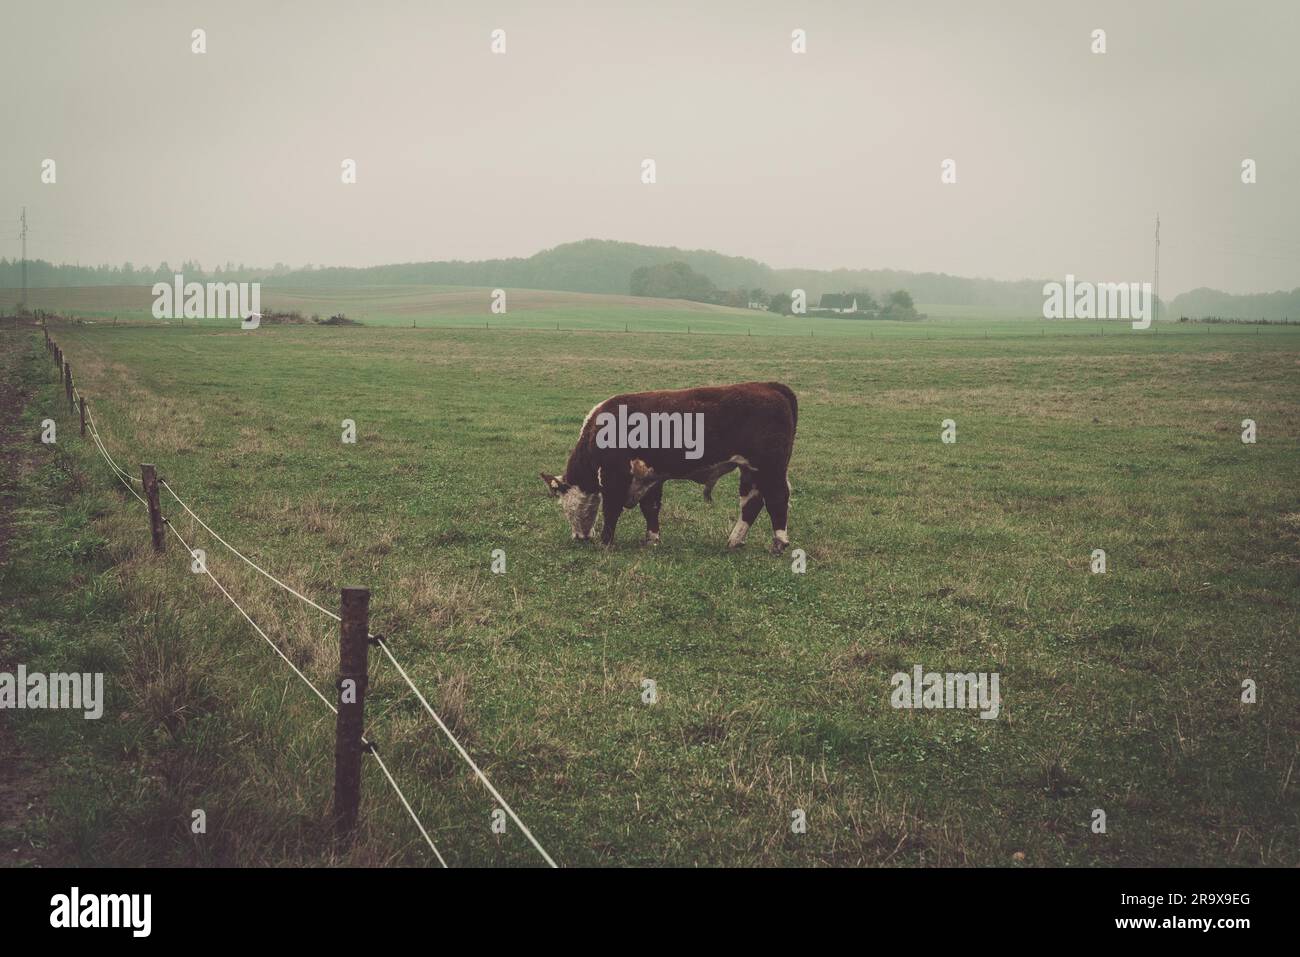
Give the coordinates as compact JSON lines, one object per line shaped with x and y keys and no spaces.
{"x":613,"y":493}
{"x":751,"y":503}
{"x":650,"y":503}
{"x":776,"y":494}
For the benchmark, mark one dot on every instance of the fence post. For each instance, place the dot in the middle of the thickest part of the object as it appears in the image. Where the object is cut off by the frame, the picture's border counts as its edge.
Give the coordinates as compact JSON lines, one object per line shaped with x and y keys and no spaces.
{"x":67,"y":388}
{"x":81,"y":400}
{"x":354,"y":649}
{"x":150,"y":477}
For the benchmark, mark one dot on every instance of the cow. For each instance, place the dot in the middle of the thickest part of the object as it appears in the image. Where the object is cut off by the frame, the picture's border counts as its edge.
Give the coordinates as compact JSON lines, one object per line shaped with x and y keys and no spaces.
{"x":631,"y":444}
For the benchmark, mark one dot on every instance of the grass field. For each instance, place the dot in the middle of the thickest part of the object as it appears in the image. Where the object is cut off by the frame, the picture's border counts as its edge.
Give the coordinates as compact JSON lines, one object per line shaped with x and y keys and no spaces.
{"x":428,"y":306}
{"x":1120,"y":691}
{"x":425,"y":305}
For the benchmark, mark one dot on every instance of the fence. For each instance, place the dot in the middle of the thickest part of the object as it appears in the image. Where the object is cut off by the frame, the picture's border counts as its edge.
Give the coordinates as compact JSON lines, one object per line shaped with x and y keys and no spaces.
{"x":355,"y":639}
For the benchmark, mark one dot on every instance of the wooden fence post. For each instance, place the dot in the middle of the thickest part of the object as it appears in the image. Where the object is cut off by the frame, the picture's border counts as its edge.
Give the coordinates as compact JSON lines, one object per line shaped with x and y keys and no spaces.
{"x":81,"y":400}
{"x":354,"y":650}
{"x":67,"y":388}
{"x":150,"y":477}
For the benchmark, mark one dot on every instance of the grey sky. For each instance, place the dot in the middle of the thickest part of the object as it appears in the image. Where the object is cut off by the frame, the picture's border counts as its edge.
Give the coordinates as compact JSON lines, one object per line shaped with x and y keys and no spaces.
{"x":828,"y":159}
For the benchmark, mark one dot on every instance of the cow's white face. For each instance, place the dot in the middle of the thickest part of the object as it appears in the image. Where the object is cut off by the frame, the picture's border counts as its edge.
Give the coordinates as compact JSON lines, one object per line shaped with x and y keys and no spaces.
{"x":579,"y":507}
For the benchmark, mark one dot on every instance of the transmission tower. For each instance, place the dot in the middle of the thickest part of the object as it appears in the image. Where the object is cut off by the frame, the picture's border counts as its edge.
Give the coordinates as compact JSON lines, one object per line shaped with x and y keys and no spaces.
{"x":1156,"y":305}
{"x":24,"y":235}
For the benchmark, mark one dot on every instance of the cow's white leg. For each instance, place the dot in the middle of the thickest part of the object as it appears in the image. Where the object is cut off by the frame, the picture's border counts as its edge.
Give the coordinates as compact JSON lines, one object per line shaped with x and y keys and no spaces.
{"x":738,"y":534}
{"x":776,"y":494}
{"x":751,"y":503}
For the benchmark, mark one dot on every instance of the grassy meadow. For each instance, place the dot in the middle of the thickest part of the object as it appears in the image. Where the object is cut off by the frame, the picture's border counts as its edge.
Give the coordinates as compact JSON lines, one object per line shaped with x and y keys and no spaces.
{"x":430,"y":306}
{"x":1120,"y":691}
{"x":424,"y":306}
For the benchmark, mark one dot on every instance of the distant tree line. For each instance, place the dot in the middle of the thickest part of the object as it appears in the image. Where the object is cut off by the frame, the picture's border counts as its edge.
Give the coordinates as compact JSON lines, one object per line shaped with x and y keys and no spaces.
{"x":41,"y":274}
{"x":677,"y":280}
{"x":674,"y":280}
{"x":603,"y":266}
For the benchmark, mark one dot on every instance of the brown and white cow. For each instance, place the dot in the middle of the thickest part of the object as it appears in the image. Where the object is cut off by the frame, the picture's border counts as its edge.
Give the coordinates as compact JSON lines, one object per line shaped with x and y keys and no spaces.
{"x":694,"y":434}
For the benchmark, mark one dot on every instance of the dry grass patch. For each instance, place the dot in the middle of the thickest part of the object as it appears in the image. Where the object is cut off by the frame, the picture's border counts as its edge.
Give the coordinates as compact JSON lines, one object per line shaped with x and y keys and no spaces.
{"x":440,"y":602}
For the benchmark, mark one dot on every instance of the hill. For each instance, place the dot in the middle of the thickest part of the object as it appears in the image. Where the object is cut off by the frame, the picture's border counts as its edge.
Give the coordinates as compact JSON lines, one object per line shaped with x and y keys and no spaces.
{"x":606,"y":267}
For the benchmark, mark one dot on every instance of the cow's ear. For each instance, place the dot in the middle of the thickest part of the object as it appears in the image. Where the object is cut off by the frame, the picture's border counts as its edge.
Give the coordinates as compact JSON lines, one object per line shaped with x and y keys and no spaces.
{"x":553,"y":485}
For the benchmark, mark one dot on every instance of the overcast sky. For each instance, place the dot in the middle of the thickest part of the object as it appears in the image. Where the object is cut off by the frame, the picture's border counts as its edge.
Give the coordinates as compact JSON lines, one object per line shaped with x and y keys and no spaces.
{"x":826,"y":159}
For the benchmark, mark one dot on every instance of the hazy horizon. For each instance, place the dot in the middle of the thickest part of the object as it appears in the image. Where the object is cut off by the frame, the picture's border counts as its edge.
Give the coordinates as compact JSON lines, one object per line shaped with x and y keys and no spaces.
{"x":824,"y":160}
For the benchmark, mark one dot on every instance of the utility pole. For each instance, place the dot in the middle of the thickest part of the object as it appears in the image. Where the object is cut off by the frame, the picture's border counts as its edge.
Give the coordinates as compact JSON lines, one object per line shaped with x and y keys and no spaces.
{"x":1156,"y":307}
{"x":24,"y":234}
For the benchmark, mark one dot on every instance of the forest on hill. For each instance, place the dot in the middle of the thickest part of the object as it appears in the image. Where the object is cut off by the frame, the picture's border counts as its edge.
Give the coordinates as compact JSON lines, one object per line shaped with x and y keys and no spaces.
{"x":607,"y":266}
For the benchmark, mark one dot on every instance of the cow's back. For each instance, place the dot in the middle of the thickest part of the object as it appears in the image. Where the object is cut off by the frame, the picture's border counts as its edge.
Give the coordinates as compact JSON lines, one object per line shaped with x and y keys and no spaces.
{"x":752,"y":423}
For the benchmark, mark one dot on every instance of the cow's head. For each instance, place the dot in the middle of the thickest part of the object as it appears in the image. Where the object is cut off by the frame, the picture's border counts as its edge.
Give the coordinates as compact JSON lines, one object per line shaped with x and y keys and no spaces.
{"x":579,"y":506}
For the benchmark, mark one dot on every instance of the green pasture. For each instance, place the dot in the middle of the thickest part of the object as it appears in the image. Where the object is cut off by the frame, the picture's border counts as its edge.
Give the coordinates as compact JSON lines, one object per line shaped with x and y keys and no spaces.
{"x":1120,"y":691}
